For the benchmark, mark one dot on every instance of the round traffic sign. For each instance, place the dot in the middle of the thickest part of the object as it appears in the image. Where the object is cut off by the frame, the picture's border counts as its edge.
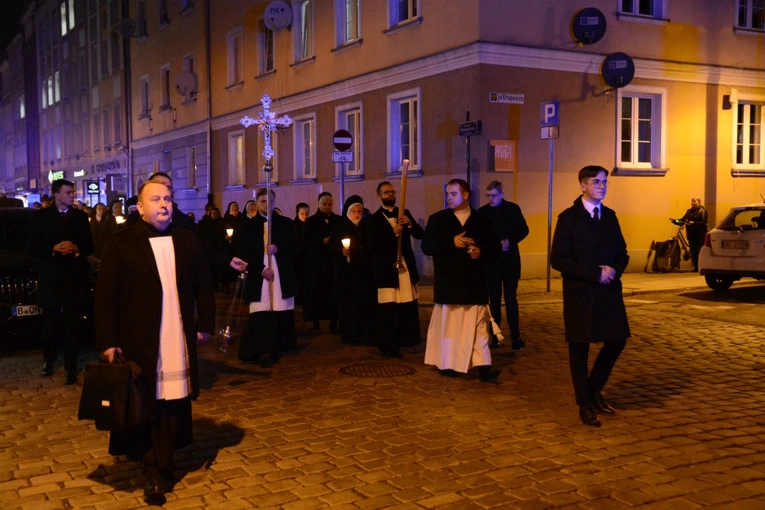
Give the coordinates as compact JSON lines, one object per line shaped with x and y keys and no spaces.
{"x":342,"y":140}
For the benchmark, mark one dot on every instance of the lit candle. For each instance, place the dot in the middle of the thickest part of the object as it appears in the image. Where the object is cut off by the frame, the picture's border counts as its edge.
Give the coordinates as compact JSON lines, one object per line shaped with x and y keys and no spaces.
{"x":229,"y":232}
{"x":119,"y":219}
{"x":347,"y":244}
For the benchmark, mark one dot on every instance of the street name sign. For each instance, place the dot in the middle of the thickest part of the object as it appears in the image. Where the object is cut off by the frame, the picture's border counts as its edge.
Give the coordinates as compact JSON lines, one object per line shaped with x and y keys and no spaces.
{"x":502,"y":97}
{"x":470,"y":128}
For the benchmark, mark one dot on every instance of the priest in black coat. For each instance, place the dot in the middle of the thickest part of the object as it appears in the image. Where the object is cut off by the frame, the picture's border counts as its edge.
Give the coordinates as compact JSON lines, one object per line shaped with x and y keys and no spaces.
{"x":397,"y":317}
{"x":60,"y":237}
{"x":270,"y":286}
{"x":589,"y":250}
{"x":154,"y":302}
{"x":461,"y":241}
{"x":319,"y":289}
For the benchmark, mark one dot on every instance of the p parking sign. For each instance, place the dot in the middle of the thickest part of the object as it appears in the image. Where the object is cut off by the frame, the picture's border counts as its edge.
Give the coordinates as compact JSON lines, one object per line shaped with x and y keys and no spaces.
{"x":550,"y":113}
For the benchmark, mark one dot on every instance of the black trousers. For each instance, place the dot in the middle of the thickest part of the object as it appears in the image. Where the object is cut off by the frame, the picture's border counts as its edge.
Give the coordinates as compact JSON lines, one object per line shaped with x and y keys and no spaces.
{"x":695,"y":243}
{"x":585,"y":385}
{"x":510,"y":284}
{"x":62,"y":325}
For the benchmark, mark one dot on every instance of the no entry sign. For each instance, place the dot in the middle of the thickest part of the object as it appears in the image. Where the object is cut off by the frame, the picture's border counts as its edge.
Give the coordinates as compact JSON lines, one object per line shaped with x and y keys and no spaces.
{"x":342,"y":140}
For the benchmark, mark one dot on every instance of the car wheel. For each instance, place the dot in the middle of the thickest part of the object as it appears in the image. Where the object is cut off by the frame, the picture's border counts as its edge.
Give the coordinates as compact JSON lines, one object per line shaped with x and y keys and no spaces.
{"x":718,"y":283}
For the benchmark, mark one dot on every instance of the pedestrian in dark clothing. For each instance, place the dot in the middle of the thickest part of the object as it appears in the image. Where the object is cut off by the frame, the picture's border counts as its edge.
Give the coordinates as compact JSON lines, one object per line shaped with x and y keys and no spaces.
{"x":353,"y":273}
{"x":97,"y":224}
{"x":302,"y":212}
{"x":697,"y":226}
{"x":589,"y":250}
{"x":397,"y":316}
{"x":60,"y":237}
{"x":319,"y":292}
{"x":505,"y":271}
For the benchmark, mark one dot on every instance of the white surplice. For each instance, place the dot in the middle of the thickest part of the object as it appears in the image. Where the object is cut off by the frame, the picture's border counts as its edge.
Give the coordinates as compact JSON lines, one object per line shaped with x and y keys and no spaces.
{"x":406,"y":292}
{"x":172,"y":381}
{"x":279,"y":304}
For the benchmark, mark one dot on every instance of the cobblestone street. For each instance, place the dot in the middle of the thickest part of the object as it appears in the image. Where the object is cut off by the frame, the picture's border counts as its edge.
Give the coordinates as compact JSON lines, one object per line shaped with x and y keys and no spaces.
{"x":689,"y":430}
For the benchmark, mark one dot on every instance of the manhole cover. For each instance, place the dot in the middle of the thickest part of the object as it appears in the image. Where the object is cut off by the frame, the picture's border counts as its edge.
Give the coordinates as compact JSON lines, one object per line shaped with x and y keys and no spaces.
{"x":377,"y":370}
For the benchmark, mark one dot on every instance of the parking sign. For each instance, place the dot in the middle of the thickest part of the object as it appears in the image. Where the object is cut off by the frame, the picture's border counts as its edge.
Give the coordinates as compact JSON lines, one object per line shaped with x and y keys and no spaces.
{"x":550,"y":113}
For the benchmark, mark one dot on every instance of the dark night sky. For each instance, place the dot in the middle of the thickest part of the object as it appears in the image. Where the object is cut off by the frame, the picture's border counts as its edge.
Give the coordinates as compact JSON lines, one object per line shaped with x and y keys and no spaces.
{"x":10,"y":14}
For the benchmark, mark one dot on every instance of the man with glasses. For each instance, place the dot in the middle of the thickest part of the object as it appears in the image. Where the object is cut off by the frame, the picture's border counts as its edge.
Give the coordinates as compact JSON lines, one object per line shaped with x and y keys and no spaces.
{"x":589,"y":250}
{"x":397,"y":314}
{"x":510,"y":226}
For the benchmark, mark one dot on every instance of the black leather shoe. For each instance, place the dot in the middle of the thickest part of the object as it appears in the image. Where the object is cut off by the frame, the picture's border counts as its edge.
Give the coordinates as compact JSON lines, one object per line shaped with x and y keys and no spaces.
{"x":266,"y":361}
{"x":71,"y":377}
{"x":448,"y":373}
{"x":588,"y":416}
{"x":154,"y":491}
{"x":47,"y":369}
{"x":518,"y":343}
{"x":487,"y":375}
{"x":600,"y":404}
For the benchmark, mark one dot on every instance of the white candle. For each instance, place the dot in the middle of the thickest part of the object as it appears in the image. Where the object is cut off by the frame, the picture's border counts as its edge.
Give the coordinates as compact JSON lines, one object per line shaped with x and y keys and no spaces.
{"x":347,"y":244}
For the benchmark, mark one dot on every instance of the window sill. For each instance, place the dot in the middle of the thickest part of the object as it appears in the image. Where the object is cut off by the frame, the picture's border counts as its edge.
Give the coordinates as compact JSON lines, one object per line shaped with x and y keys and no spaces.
{"x":350,"y":178}
{"x":397,"y":175}
{"x":234,"y":86}
{"x":189,"y":190}
{"x":300,"y":63}
{"x":186,"y":10}
{"x":274,"y":184}
{"x":142,"y":38}
{"x":165,"y":108}
{"x":163,"y":25}
{"x":266,"y":74}
{"x":747,"y":172}
{"x":347,"y":45}
{"x":403,"y":25}
{"x":640,"y":172}
{"x":299,"y":182}
{"x":144,"y":116}
{"x":623,"y":16}
{"x":747,"y":31}
{"x":236,"y":187}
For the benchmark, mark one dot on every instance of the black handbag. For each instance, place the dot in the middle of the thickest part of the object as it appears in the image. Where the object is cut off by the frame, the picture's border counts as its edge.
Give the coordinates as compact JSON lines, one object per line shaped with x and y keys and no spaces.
{"x":115,"y":395}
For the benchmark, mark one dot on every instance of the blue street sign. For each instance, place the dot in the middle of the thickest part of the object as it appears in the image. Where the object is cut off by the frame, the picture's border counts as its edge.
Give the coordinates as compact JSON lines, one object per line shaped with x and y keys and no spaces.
{"x":550,"y":113}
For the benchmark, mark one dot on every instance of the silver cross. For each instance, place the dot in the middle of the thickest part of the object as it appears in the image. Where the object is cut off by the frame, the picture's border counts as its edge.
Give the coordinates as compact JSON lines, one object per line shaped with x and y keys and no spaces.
{"x":267,"y":122}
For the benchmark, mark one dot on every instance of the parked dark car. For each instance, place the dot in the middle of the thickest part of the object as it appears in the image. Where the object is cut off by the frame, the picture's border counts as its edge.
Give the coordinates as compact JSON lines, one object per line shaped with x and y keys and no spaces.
{"x":20,"y":317}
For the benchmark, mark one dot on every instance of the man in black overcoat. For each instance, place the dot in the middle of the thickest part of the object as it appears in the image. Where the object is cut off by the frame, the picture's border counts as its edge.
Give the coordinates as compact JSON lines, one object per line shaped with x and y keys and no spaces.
{"x":505,"y":271}
{"x":270,"y":328}
{"x":590,"y":252}
{"x":60,"y":237}
{"x":461,"y":241}
{"x":154,"y":302}
{"x":397,"y":317}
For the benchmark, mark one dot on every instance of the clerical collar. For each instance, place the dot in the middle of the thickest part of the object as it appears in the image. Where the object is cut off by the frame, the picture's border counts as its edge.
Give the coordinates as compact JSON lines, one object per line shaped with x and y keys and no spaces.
{"x":154,"y":232}
{"x":389,"y":213}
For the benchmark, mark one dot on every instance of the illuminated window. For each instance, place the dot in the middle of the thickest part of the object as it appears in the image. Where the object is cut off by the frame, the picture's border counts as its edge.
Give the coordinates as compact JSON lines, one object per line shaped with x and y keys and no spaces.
{"x":304,"y":35}
{"x":403,"y":130}
{"x":63,"y":19}
{"x":191,"y":167}
{"x":749,"y":143}
{"x":348,"y":28}
{"x":403,"y":10}
{"x":265,"y":49}
{"x":751,"y":14}
{"x":236,"y":158}
{"x":305,"y":147}
{"x":641,"y":113}
{"x":647,"y":8}
{"x":22,"y":108}
{"x":348,"y":117}
{"x":71,"y":14}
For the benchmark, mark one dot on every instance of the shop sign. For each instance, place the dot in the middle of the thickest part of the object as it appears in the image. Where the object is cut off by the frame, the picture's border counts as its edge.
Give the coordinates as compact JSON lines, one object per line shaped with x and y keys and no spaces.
{"x":80,"y":173}
{"x":55,"y":175}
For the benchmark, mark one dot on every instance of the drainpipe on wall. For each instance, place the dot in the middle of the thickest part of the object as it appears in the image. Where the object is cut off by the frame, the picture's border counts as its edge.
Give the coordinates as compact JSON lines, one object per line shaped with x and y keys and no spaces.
{"x":128,"y":104}
{"x":209,"y":102}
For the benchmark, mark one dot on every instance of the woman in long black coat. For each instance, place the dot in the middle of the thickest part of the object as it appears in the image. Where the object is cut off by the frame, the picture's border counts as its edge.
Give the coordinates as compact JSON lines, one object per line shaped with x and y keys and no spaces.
{"x":354,"y":282}
{"x":302,"y":212}
{"x":319,"y":292}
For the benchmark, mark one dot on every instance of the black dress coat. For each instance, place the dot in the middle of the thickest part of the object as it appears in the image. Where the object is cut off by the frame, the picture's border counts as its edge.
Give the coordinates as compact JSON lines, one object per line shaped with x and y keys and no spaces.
{"x":458,"y":278}
{"x":509,"y":223}
{"x":63,"y":279}
{"x":592,"y":312}
{"x":354,"y":280}
{"x":129,"y":298}
{"x":384,"y":245}
{"x":319,"y":293}
{"x":251,"y":251}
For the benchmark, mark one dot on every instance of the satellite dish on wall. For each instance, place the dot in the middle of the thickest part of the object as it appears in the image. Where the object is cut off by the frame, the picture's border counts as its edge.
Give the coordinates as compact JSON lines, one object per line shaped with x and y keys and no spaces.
{"x":128,"y":27}
{"x":618,"y":70}
{"x":186,"y":84}
{"x":588,"y":26}
{"x":277,"y":15}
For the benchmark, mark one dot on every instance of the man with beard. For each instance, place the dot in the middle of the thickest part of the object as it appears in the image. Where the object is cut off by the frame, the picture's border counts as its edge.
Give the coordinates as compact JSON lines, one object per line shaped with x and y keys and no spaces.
{"x":590,"y":252}
{"x":154,"y":303}
{"x":397,"y":315}
{"x":461,"y":241}
{"x":270,"y":288}
{"x":319,"y":292}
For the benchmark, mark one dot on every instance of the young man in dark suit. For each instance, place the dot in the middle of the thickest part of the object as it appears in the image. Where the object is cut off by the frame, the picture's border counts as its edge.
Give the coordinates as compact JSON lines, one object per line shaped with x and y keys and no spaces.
{"x":589,"y":250}
{"x":60,"y":237}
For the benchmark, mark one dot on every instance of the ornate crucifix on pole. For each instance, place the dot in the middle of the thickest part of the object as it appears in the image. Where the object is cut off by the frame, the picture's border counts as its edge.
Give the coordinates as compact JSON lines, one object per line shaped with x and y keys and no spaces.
{"x":267,"y":122}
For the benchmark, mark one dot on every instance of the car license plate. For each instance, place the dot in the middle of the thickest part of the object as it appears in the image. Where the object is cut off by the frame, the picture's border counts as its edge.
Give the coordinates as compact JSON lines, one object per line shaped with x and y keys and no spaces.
{"x":735,"y":245}
{"x":25,"y":310}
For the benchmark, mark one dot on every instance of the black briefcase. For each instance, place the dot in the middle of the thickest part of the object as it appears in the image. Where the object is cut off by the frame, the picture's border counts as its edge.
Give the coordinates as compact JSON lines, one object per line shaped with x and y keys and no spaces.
{"x":115,"y":395}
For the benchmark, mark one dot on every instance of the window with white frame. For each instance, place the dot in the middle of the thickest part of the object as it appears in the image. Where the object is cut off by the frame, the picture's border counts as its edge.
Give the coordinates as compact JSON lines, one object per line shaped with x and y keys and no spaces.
{"x":234,"y":56}
{"x":348,"y":117}
{"x":748,"y":135}
{"x":647,"y":8}
{"x":303,"y":17}
{"x":63,"y":18}
{"x":266,"y":62}
{"x":348,"y":28}
{"x":57,"y":86}
{"x":189,"y":63}
{"x":751,"y":14}
{"x":261,"y":174}
{"x":22,"y":107}
{"x":164,"y":87}
{"x":191,"y":167}
{"x":305,"y":147}
{"x":71,"y":14}
{"x":145,"y":105}
{"x":404,"y":138}
{"x":44,"y":94}
{"x":403,"y":10}
{"x":236,"y":158}
{"x":58,"y":143}
{"x":641,"y":128}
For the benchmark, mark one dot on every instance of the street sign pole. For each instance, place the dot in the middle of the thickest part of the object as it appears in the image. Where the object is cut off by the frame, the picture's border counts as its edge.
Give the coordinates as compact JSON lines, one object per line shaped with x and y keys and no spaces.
{"x":343,"y":166}
{"x":342,"y":140}
{"x":549,"y":210}
{"x":467,"y":162}
{"x":550,"y":121}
